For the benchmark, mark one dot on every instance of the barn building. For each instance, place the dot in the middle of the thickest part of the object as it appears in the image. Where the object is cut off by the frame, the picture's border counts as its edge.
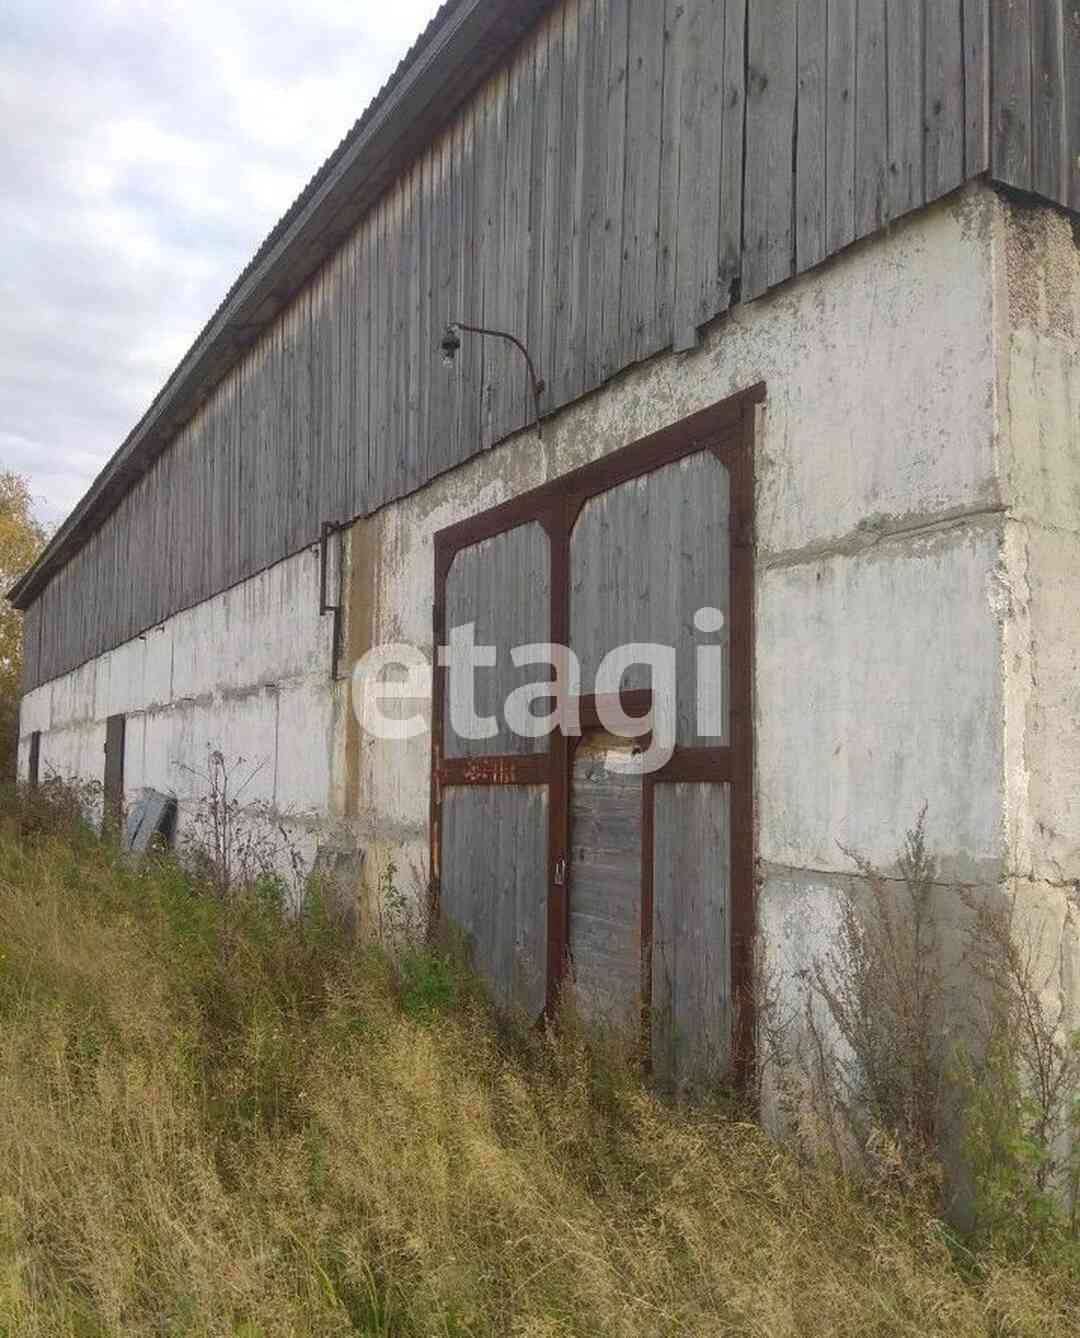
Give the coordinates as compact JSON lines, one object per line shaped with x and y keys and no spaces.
{"x":799,"y":281}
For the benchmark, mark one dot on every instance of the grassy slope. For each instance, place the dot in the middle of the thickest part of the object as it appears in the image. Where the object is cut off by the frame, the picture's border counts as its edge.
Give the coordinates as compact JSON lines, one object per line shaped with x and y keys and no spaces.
{"x":216,"y":1122}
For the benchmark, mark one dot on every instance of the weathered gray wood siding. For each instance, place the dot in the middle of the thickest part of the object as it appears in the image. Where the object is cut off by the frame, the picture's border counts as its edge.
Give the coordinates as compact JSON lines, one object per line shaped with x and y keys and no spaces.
{"x":639,"y":166}
{"x":691,"y":979}
{"x":645,"y":557}
{"x":503,"y":588}
{"x":1035,"y":130}
{"x":495,"y":886}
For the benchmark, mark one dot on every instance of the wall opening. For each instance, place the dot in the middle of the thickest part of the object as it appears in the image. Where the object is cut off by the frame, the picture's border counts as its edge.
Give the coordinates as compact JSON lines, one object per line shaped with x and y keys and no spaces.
{"x":115,"y":731}
{"x":34,"y":769}
{"x":558,"y":865}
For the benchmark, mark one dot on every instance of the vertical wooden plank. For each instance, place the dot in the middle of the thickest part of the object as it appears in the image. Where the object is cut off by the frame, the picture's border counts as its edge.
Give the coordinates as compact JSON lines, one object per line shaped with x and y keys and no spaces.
{"x":574,"y":377}
{"x":701,"y":287}
{"x":307,"y":517}
{"x":1011,"y":129}
{"x":345,"y":337}
{"x":359,"y":442}
{"x":257,"y":398}
{"x":494,"y":886}
{"x":944,"y":99}
{"x":470,"y":358}
{"x":294,"y":461}
{"x":676,"y":23}
{"x":1049,"y":165}
{"x":517,"y":401}
{"x":279,"y":498}
{"x":492,"y":170}
{"x":810,"y":247}
{"x":692,"y":996}
{"x":234,"y":487}
{"x":384,"y":453}
{"x":976,"y":19}
{"x":395,"y":260}
{"x":563,"y":294}
{"x":871,"y":123}
{"x":615,"y":185}
{"x":406,"y":348}
{"x":426,"y":343}
{"x":770,"y":146}
{"x":1072,"y":104}
{"x":443,"y":266}
{"x":377,"y":353}
{"x":325,"y":300}
{"x":552,"y":224}
{"x":840,"y":150}
{"x":379,"y":447}
{"x":413,"y":349}
{"x":537,"y":220}
{"x":221,"y":496}
{"x":641,"y":201}
{"x":303,"y":527}
{"x":905,"y":84}
{"x":596,"y":237}
{"x":31,"y":665}
{"x":732,"y":154}
{"x":605,"y":883}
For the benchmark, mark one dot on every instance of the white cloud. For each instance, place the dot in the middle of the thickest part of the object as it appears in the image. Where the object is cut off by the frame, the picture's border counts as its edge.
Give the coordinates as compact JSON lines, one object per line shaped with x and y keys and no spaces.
{"x":148,"y":148}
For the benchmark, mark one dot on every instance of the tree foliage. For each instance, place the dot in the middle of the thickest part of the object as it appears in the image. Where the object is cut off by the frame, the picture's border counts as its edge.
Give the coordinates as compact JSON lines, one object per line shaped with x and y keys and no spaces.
{"x":21,"y":540}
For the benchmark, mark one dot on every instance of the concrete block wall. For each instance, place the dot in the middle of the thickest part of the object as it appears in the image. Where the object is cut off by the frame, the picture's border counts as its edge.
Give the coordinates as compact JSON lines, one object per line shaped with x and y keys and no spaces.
{"x":918,"y":524}
{"x":247,"y":673}
{"x":1037,"y":301}
{"x":879,"y":683}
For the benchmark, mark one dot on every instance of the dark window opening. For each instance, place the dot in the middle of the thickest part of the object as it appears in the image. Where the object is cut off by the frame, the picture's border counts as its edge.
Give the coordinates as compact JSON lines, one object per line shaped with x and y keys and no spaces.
{"x":35,"y":758}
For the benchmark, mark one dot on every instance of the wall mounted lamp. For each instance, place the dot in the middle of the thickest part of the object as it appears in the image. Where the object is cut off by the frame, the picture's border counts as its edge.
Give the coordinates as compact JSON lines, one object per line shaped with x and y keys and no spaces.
{"x":451,"y":343}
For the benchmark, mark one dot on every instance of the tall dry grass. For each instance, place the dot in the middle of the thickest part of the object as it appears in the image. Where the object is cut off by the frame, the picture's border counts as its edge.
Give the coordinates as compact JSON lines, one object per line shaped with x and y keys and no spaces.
{"x":215,"y":1120}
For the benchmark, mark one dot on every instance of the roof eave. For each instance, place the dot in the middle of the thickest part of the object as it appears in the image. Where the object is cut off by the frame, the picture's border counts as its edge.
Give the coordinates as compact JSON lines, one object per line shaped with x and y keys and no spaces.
{"x":460,"y":49}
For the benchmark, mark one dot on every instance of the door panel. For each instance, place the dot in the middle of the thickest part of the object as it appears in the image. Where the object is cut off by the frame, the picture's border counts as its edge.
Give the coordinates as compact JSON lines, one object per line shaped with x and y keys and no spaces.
{"x":495,"y":886}
{"x":645,"y":557}
{"x":645,"y":883}
{"x":605,"y":882}
{"x":503,"y":585}
{"x":691,"y":949}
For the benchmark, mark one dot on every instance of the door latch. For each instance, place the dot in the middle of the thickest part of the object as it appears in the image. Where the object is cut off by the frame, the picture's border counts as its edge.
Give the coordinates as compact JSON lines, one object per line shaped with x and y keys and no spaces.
{"x":560,"y":873}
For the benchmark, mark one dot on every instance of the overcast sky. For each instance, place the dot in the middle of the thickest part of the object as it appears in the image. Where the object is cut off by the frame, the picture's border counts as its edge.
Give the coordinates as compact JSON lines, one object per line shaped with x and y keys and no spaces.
{"x":146,"y":149}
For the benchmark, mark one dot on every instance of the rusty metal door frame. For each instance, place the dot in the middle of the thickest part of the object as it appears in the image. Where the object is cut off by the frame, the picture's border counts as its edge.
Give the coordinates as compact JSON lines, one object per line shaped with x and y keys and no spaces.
{"x":727,"y":431}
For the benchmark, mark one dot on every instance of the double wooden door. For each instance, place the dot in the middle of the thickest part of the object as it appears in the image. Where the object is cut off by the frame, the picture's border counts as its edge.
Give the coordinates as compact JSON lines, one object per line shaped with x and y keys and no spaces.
{"x":558,"y":858}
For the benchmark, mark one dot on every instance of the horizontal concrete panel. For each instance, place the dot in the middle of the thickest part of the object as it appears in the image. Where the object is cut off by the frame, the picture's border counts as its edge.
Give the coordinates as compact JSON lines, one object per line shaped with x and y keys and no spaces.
{"x":879,"y":690}
{"x":304,"y":748}
{"x":880,"y":375}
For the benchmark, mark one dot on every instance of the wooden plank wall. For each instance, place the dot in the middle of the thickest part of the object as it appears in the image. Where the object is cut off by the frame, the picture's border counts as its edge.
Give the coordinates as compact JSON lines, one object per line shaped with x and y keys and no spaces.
{"x":639,"y":166}
{"x":1035,"y":111}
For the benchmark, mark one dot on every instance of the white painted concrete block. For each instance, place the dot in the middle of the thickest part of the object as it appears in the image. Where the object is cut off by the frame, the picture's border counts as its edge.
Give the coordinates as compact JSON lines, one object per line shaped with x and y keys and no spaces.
{"x":879,"y":690}
{"x":305,"y":743}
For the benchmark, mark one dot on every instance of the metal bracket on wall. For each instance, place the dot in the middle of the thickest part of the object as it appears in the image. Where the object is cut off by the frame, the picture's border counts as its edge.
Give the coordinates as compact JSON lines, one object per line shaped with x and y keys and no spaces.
{"x":330,"y":527}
